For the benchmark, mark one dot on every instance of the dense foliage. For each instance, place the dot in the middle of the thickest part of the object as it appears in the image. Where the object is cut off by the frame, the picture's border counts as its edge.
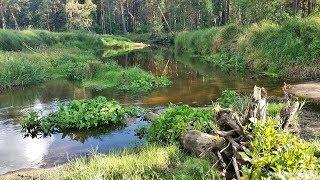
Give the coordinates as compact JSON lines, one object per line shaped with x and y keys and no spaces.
{"x":134,"y":79}
{"x":153,"y":16}
{"x":278,"y":154}
{"x":169,"y":127}
{"x":291,"y":47}
{"x":78,"y":115}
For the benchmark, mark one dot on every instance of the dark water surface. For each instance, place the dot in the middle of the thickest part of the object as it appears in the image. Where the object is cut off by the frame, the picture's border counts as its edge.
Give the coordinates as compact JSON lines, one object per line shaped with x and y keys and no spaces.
{"x":195,"y":83}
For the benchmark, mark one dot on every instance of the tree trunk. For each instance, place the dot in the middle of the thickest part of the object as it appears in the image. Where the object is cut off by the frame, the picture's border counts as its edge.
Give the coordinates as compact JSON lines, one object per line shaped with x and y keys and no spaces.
{"x":124,"y":28}
{"x":3,"y":20}
{"x":200,"y":144}
{"x":163,"y":16}
{"x":294,"y":6}
{"x":15,"y":20}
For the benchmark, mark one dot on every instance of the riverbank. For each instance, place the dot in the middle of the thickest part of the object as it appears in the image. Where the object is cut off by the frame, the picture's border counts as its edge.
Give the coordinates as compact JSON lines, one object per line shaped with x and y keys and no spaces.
{"x":288,"y":49}
{"x":32,"y":57}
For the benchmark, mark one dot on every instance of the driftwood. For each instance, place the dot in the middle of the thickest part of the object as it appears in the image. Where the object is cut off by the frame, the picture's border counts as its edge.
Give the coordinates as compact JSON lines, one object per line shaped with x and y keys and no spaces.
{"x":226,"y":144}
{"x":200,"y":144}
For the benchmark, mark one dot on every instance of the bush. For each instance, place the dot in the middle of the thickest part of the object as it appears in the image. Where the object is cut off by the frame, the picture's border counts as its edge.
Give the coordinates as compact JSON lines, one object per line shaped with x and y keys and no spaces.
{"x":275,"y":152}
{"x":78,"y":115}
{"x":170,"y":126}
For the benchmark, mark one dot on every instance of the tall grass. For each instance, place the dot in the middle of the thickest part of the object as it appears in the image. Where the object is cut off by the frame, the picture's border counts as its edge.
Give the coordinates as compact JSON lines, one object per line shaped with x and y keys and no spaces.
{"x":149,"y":162}
{"x":266,"y":47}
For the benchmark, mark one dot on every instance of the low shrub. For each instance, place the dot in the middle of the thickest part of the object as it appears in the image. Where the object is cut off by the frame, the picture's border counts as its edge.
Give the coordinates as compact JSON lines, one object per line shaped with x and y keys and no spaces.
{"x":78,"y":115}
{"x":275,"y":153}
{"x":170,"y":126}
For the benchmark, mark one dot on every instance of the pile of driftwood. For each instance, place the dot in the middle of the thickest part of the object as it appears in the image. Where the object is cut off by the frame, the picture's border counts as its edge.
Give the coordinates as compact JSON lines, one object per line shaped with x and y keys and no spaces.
{"x":225,"y":145}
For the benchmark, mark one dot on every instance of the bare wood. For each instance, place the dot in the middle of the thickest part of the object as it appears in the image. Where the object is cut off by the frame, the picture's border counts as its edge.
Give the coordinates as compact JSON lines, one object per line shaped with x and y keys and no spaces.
{"x":236,"y":167}
{"x":258,"y":107}
{"x":199,"y":143}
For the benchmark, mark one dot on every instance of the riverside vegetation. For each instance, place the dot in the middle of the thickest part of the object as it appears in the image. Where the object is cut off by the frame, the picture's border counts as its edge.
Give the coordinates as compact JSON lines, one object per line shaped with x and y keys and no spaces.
{"x":272,"y":152}
{"x":34,"y":56}
{"x":287,"y":48}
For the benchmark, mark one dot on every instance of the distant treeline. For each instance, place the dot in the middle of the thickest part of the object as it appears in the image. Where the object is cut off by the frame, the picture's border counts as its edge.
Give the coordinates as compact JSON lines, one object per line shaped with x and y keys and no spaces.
{"x":145,"y":16}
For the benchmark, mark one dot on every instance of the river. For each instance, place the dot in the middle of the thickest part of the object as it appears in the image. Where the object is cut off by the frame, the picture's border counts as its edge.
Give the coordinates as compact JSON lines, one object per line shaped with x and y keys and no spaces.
{"x":194,"y":83}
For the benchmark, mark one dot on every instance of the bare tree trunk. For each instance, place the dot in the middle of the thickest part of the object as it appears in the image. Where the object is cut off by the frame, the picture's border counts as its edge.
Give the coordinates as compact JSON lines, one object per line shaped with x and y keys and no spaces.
{"x":3,"y":19}
{"x":294,"y":6}
{"x":15,"y":20}
{"x":124,"y":28}
{"x":163,"y":16}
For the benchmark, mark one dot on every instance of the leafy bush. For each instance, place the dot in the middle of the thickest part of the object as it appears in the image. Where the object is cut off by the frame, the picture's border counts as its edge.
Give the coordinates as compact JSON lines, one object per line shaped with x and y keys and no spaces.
{"x":274,"y":109}
{"x":274,"y":151}
{"x":78,"y":115}
{"x":19,"y":72}
{"x":177,"y":120}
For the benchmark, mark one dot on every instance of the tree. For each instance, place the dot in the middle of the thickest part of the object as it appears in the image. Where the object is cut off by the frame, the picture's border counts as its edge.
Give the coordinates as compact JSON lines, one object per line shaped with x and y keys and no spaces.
{"x":79,"y":16}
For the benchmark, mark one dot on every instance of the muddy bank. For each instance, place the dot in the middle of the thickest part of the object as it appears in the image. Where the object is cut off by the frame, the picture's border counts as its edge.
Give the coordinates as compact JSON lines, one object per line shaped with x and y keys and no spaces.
{"x":309,"y":90}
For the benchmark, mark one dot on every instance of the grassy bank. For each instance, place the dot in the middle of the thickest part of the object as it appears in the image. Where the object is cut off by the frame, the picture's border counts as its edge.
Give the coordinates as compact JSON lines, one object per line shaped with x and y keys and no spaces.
{"x":290,"y":48}
{"x":34,"y":56}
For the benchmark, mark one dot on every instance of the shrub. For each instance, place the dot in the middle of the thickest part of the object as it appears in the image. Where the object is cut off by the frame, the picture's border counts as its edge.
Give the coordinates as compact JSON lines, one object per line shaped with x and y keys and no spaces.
{"x":78,"y":115}
{"x":274,"y":151}
{"x":177,"y":120}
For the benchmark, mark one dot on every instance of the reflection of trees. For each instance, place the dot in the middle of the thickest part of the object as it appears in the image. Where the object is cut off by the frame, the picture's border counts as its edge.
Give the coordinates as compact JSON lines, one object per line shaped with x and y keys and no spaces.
{"x":45,"y":93}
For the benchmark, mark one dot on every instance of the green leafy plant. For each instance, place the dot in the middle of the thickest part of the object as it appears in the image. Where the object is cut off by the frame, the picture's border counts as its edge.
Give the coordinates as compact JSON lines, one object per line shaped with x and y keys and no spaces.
{"x":177,"y":120}
{"x":78,"y":115}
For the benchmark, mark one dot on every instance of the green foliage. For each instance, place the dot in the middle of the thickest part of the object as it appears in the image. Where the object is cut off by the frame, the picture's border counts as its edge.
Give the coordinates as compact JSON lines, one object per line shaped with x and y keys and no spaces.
{"x":147,"y":162}
{"x":79,"y":115}
{"x":177,"y":120}
{"x":279,"y":152}
{"x":20,"y":72}
{"x":266,"y":48}
{"x":274,"y":109}
{"x":133,"y":79}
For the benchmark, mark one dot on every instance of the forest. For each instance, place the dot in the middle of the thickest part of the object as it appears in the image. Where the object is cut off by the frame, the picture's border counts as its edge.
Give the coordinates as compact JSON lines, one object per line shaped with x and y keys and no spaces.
{"x":146,"y":16}
{"x":159,"y":89}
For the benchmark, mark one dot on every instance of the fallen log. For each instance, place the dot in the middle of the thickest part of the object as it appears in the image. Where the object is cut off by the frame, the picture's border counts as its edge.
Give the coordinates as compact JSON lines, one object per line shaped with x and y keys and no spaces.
{"x":201,"y":144}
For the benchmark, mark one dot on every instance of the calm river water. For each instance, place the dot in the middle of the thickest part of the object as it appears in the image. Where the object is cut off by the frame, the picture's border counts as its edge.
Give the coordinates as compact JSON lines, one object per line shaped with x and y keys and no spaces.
{"x":195,"y":83}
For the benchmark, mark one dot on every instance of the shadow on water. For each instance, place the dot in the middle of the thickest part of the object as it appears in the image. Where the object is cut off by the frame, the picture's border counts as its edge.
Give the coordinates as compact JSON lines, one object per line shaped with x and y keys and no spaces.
{"x":194,"y":82}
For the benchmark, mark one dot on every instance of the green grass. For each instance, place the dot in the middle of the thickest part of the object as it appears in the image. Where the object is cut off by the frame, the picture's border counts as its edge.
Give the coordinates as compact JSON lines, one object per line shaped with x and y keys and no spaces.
{"x":134,"y":79}
{"x":290,"y":48}
{"x":33,"y":56}
{"x":78,"y":115}
{"x":148,"y":162}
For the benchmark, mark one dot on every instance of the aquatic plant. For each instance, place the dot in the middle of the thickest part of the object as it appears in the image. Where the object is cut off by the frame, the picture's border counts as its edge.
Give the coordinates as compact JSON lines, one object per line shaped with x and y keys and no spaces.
{"x":78,"y":115}
{"x":169,"y":126}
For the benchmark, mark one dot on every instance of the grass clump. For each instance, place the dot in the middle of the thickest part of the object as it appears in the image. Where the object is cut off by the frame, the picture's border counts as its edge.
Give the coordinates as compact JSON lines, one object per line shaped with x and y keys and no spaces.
{"x":148,"y":162}
{"x":170,"y":126}
{"x":20,"y":72}
{"x":134,"y":79}
{"x":78,"y":115}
